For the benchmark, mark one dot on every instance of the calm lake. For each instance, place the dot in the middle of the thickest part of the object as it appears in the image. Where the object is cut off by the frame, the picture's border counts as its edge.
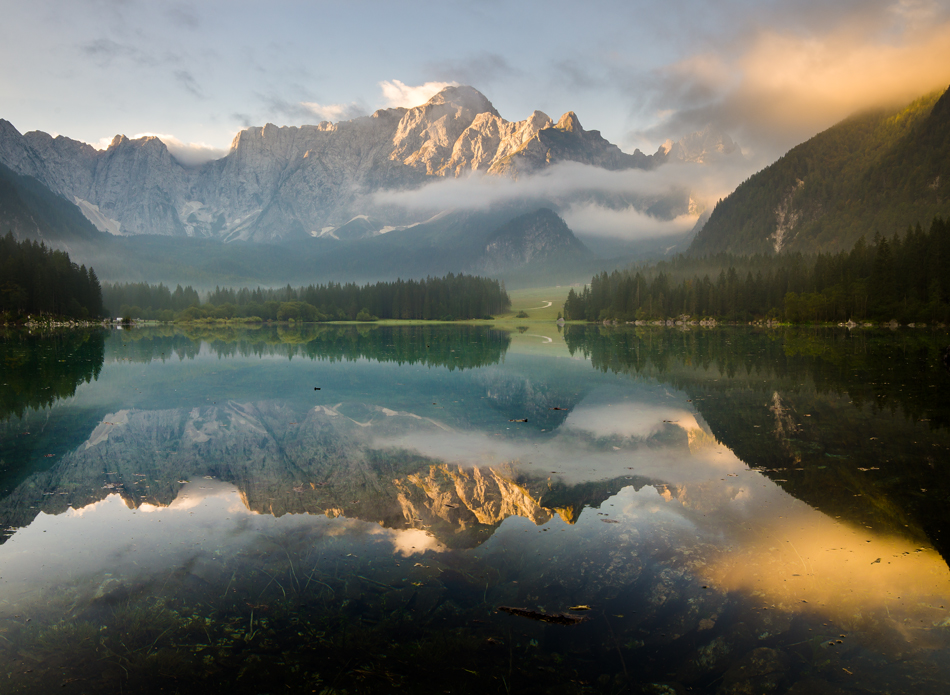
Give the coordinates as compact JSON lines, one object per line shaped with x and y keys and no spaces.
{"x":459,"y":509}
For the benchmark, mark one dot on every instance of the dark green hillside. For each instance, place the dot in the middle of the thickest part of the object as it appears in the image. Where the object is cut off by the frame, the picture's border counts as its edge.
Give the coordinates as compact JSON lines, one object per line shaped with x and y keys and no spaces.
{"x":32,"y":211}
{"x":535,"y":237}
{"x":872,"y":173}
{"x":35,"y":279}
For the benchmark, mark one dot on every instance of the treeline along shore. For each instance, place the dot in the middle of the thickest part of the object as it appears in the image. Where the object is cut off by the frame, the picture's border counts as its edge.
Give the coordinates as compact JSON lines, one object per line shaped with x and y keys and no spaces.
{"x":448,"y":298}
{"x":35,"y":279}
{"x":904,"y":278}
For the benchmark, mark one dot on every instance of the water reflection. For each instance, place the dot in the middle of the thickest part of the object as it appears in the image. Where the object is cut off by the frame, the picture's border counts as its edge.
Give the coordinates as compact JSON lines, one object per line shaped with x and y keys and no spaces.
{"x":39,"y":369}
{"x":716,"y":499}
{"x":450,"y":346}
{"x":854,"y":424}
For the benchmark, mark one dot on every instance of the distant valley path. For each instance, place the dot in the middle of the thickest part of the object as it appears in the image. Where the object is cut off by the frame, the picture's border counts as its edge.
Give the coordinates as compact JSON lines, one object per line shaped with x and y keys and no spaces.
{"x":543,"y":306}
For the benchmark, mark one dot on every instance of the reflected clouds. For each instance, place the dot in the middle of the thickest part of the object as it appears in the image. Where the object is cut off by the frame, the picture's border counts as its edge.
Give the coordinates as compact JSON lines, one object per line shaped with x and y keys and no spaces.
{"x":757,"y":539}
{"x":208,"y":519}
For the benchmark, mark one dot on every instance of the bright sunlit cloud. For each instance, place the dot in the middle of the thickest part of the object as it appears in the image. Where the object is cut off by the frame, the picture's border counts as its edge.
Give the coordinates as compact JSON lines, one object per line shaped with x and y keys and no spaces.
{"x":777,"y":87}
{"x":408,"y":542}
{"x":397,"y":93}
{"x":639,"y":419}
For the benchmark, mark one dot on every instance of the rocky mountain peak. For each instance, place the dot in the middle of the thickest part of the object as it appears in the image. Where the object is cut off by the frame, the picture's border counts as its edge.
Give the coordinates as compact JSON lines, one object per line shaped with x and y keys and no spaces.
{"x":427,"y":134}
{"x":538,"y":120}
{"x":464,"y":97}
{"x":702,"y":146}
{"x":569,"y":123}
{"x":7,"y":128}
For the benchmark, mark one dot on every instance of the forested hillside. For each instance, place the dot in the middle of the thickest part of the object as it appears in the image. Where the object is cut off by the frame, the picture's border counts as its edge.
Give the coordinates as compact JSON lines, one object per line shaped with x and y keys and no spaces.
{"x":871,"y":174}
{"x":447,"y":298}
{"x":902,"y":278}
{"x":35,"y":279}
{"x":31,"y":210}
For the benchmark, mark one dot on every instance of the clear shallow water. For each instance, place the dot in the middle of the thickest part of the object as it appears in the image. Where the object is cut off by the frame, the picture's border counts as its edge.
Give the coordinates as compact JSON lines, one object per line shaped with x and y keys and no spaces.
{"x":343,"y":510}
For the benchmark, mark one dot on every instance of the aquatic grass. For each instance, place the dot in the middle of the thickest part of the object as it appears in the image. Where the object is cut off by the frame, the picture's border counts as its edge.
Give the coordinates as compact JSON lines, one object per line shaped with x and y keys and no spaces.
{"x":68,"y":635}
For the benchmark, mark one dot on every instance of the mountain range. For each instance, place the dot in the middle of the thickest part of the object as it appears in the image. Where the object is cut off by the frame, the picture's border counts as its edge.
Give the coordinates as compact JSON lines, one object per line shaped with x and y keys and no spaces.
{"x":321,"y":196}
{"x":297,"y":202}
{"x":308,"y":181}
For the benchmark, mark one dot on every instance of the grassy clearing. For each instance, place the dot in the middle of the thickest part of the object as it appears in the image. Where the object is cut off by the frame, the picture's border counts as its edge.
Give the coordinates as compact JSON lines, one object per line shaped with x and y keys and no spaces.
{"x":534,"y":302}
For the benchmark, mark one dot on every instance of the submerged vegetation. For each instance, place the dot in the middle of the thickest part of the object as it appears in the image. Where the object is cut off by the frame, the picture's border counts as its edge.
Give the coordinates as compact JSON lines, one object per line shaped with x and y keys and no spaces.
{"x":449,"y":298}
{"x":902,"y":278}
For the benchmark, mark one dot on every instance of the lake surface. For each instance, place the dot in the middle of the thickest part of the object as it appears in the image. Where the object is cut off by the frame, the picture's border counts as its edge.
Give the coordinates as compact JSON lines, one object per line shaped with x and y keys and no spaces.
{"x":348,"y":510}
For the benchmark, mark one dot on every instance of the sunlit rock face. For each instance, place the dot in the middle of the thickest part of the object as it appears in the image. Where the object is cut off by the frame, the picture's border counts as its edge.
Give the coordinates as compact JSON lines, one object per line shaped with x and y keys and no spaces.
{"x":471,"y":497}
{"x":295,"y":182}
{"x":490,"y":139}
{"x":567,"y":141}
{"x":427,"y":134}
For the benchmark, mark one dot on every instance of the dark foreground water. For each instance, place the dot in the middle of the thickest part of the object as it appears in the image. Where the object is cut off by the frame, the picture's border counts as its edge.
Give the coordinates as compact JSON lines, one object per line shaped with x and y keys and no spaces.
{"x":358,"y":511}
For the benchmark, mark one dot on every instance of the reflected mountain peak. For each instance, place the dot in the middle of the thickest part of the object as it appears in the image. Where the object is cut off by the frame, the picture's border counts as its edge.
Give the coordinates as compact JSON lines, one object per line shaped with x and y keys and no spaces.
{"x":337,"y":460}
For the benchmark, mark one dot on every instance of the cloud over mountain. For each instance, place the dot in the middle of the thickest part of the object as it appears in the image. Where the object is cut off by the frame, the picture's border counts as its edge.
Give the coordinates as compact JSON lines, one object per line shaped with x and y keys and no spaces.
{"x":778,"y":83}
{"x":399,"y":166}
{"x":397,"y":94}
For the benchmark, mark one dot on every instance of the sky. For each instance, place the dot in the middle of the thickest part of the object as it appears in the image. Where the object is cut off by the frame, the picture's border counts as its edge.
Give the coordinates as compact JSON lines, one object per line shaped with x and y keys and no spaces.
{"x":769,"y":74}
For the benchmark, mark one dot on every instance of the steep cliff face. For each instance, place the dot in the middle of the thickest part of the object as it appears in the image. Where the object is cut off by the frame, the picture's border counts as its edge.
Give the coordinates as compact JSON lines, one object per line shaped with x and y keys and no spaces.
{"x":294,"y":182}
{"x":490,"y":139}
{"x":133,"y":187}
{"x":17,"y":154}
{"x":567,"y":141}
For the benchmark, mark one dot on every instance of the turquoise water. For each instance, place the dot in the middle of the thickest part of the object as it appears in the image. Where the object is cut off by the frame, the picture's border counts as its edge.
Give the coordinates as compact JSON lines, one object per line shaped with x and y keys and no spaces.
{"x":346,"y":510}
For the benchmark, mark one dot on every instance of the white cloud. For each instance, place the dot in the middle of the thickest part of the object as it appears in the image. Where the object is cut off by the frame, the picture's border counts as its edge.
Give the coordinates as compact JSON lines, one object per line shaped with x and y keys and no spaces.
{"x":479,"y":190}
{"x":188,"y":153}
{"x":408,"y":542}
{"x":590,"y":219}
{"x":334,"y":112}
{"x":397,"y":93}
{"x":578,"y":191}
{"x":638,"y":419}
